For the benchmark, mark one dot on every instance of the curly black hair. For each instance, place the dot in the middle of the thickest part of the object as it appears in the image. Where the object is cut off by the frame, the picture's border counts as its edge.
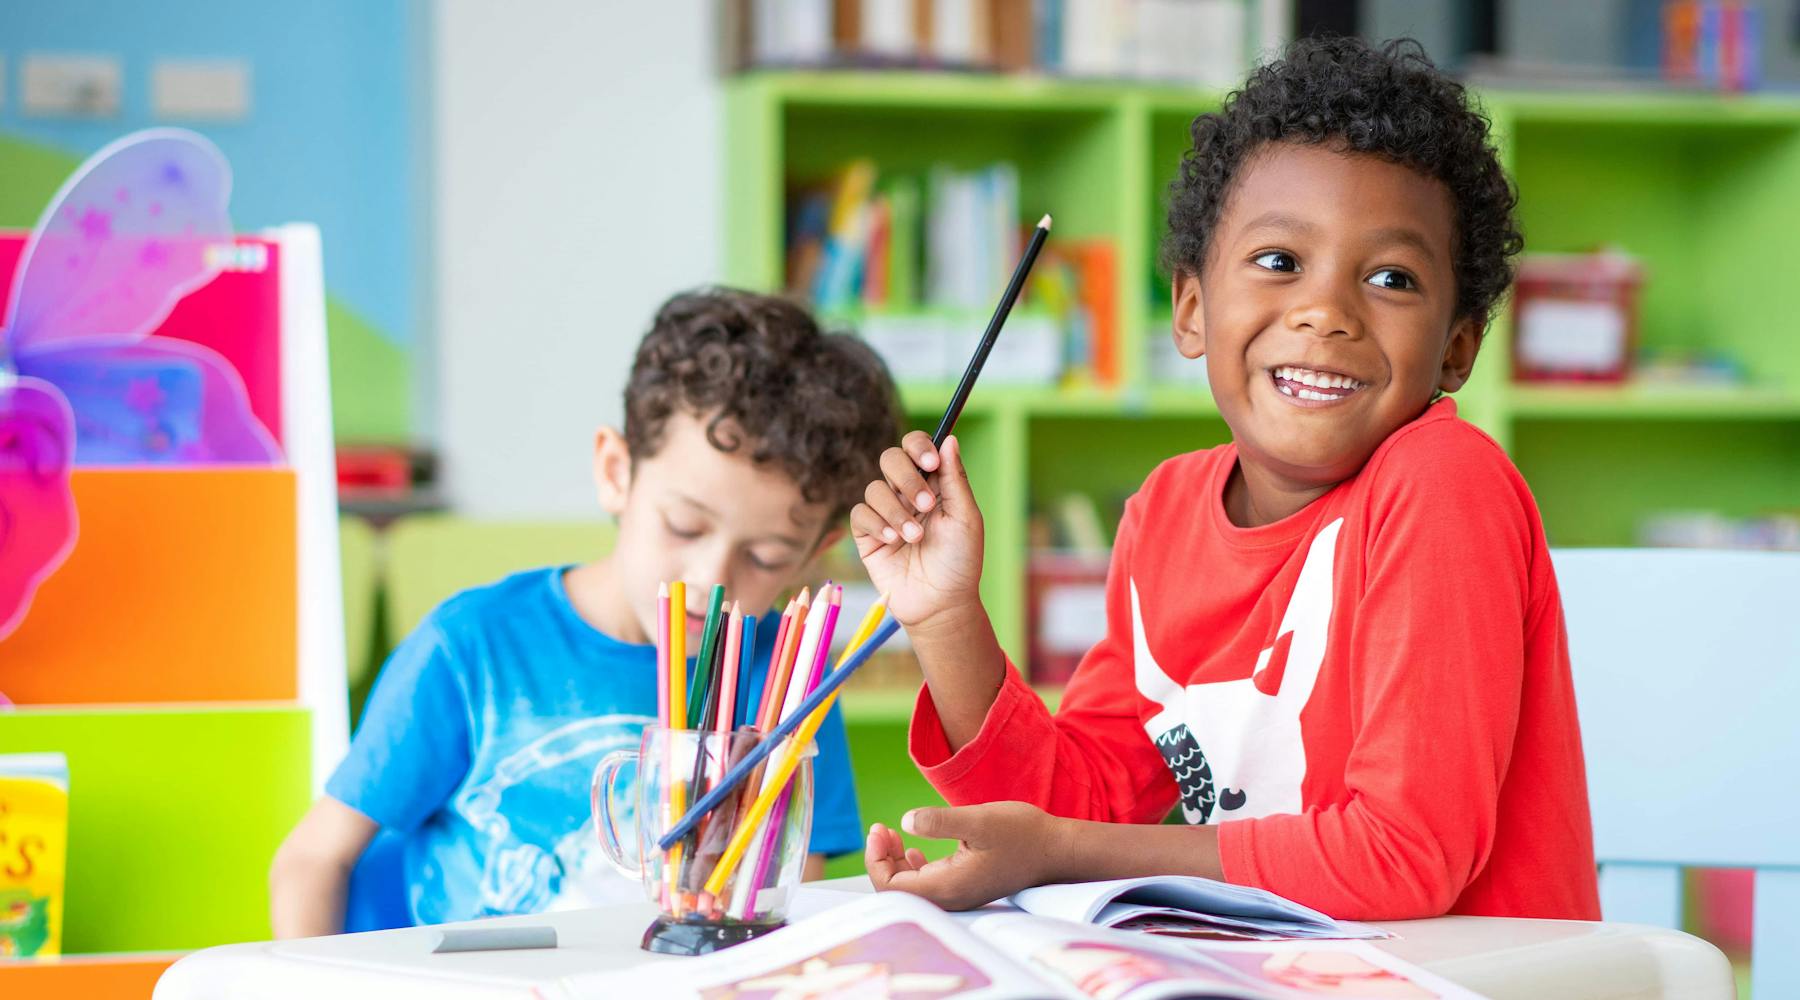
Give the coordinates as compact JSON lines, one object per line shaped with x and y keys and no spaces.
{"x":1389,"y":102}
{"x":758,"y":369}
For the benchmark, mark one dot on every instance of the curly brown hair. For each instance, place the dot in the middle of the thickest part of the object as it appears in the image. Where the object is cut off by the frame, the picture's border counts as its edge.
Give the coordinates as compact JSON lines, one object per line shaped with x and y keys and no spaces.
{"x":820,"y":406}
{"x":1389,"y":102}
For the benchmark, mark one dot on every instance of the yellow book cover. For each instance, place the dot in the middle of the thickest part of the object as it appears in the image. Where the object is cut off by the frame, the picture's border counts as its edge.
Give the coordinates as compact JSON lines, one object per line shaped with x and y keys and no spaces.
{"x":34,"y":851}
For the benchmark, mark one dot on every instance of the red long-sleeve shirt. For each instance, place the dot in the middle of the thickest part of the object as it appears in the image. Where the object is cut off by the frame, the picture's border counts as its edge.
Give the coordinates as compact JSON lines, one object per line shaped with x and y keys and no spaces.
{"x":1371,"y":698}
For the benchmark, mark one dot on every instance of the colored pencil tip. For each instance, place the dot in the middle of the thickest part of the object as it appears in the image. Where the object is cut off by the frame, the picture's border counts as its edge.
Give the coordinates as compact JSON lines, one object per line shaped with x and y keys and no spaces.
{"x":662,"y":590}
{"x":1044,"y":223}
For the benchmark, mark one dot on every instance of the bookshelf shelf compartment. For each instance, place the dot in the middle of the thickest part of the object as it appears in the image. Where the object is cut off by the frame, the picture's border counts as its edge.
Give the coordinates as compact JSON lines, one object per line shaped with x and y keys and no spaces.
{"x":1651,"y":402}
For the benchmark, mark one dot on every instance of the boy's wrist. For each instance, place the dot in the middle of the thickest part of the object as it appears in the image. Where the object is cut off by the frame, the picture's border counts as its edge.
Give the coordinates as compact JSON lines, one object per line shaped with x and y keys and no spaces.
{"x":954,"y":624}
{"x":1058,"y":860}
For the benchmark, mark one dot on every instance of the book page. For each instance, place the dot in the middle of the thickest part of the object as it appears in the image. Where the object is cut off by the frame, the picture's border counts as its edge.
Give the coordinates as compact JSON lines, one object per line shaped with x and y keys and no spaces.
{"x":1117,"y":965}
{"x":885,"y":945}
{"x":1246,"y":907}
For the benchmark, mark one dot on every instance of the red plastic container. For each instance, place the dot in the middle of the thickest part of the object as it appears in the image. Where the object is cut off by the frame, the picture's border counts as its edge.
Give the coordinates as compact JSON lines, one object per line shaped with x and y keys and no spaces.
{"x":1066,"y":611}
{"x":1575,"y":317}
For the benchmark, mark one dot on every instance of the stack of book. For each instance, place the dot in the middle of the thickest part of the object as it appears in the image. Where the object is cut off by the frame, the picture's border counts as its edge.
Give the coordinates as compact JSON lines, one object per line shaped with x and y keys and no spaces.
{"x":1206,"y":42}
{"x":916,"y":263}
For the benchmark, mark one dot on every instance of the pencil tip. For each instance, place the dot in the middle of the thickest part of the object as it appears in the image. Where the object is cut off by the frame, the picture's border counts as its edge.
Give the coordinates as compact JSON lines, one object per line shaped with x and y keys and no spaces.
{"x":1044,"y":223}
{"x":662,"y":590}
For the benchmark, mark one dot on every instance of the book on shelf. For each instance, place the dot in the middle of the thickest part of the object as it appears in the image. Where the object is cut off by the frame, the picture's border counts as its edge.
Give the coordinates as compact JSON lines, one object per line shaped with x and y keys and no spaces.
{"x":1202,"y":42}
{"x":893,"y":944}
{"x":914,"y":263}
{"x":34,"y":850}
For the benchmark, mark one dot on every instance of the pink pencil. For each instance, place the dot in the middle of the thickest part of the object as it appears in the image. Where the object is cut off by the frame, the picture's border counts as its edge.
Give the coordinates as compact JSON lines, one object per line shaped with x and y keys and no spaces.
{"x":734,"y":638}
{"x":779,"y":816}
{"x":662,"y":654}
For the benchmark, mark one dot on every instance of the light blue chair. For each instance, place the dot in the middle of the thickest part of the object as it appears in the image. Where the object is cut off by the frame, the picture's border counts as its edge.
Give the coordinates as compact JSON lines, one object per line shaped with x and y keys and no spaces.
{"x":1687,"y":674}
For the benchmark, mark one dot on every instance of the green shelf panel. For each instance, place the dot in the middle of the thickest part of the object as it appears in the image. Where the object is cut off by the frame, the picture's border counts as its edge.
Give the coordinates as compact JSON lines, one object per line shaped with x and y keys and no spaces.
{"x":174,"y":815}
{"x":1657,"y":110}
{"x":1102,"y":404}
{"x":1651,"y":402}
{"x":942,"y":92}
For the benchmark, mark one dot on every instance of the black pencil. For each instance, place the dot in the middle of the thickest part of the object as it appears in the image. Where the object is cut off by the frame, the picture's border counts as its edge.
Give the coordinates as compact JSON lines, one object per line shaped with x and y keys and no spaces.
{"x":971,"y":373}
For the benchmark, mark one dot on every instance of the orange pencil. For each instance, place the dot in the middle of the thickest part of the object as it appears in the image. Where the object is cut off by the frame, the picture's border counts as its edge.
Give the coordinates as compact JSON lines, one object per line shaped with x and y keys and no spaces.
{"x":775,"y":682}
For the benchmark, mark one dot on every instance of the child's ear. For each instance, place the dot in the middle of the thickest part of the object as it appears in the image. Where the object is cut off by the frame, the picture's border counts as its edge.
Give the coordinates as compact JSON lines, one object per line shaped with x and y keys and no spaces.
{"x":1190,"y":318}
{"x":1459,"y":354}
{"x":612,"y":470}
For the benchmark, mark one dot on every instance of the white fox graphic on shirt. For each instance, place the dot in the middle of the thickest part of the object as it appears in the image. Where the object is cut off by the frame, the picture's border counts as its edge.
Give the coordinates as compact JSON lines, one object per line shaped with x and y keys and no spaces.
{"x":1234,"y":746}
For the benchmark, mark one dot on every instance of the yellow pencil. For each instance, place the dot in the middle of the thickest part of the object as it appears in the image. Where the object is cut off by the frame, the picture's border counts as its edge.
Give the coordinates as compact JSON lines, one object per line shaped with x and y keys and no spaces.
{"x":678,"y":621}
{"x":865,"y":628}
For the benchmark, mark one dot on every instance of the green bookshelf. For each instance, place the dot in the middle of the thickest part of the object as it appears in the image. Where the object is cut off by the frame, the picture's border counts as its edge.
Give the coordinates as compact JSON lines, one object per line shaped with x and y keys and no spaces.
{"x":1701,"y":188}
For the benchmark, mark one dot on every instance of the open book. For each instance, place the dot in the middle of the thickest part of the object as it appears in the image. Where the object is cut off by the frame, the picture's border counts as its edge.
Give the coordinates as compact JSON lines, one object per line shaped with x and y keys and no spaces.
{"x":898,"y":946}
{"x":1187,"y":906}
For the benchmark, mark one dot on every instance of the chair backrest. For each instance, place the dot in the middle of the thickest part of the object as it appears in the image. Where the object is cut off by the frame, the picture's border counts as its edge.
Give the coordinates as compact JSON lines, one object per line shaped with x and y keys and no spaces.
{"x":1687,"y":674}
{"x":431,"y":557}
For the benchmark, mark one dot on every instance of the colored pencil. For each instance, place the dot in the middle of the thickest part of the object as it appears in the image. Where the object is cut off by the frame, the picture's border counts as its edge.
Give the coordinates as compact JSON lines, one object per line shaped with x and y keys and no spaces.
{"x":746,"y":661}
{"x":865,"y":628}
{"x":662,"y":655}
{"x":803,"y":726}
{"x":781,"y":634}
{"x":728,"y":666}
{"x":758,"y":868}
{"x":798,"y":718}
{"x":677,"y":803}
{"x":703,"y":665}
{"x":677,"y":654}
{"x":776,"y":683}
{"x":986,"y":346}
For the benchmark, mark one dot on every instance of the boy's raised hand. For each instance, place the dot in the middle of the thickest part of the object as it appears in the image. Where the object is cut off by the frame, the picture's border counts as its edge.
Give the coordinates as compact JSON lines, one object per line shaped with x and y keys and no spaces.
{"x":1001,"y":849}
{"x":919,"y":532}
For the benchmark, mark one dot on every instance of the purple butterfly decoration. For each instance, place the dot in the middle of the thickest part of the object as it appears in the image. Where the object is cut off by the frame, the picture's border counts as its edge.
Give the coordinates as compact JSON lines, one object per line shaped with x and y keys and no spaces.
{"x":82,"y":380}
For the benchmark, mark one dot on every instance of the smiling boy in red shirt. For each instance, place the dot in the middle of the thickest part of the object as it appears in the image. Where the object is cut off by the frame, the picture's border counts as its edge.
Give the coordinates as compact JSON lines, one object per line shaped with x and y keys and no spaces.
{"x":1334,"y":643}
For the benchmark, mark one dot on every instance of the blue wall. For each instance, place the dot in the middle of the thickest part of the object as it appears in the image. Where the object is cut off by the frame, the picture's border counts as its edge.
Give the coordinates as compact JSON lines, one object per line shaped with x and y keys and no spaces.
{"x":336,"y":133}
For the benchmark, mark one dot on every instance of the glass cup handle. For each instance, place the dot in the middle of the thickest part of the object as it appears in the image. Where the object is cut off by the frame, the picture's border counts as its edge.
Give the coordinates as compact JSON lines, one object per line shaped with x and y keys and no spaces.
{"x":605,"y":822}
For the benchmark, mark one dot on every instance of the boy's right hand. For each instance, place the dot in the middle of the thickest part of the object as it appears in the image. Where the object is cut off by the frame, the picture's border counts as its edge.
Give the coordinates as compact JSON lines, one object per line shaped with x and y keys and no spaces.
{"x":919,"y":532}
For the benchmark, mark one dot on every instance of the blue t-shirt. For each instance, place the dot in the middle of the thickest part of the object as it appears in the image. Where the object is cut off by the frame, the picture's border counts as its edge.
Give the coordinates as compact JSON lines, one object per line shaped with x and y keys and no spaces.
{"x":480,"y":739}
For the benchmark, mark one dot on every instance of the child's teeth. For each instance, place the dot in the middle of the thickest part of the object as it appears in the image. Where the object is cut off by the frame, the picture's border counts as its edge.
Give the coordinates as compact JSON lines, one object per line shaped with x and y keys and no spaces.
{"x":1317,"y":380}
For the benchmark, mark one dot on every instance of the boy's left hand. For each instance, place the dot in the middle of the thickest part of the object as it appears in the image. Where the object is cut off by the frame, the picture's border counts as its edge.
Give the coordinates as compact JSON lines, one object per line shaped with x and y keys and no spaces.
{"x":1004,"y":847}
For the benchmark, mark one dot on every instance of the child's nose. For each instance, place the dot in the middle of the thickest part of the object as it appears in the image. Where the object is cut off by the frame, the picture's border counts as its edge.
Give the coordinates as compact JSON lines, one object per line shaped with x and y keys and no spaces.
{"x":1322,"y":313}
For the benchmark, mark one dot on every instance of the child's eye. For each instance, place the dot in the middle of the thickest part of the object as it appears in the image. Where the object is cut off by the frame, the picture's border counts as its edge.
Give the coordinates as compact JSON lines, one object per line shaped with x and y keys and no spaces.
{"x":1276,"y":260}
{"x":1393,"y":278}
{"x":682,"y":531}
{"x":766,"y":565}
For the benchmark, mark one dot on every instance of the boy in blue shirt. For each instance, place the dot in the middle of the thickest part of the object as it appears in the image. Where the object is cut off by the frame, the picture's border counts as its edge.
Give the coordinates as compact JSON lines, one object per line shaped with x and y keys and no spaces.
{"x":748,"y":436}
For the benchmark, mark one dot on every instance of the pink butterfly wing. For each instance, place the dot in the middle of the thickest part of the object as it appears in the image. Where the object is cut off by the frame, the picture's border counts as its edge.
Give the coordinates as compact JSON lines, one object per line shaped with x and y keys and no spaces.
{"x":37,"y":507}
{"x":123,"y":240}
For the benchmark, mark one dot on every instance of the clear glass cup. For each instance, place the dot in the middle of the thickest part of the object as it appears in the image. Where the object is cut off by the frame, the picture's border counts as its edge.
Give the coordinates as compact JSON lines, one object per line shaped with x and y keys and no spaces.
{"x":673,"y":769}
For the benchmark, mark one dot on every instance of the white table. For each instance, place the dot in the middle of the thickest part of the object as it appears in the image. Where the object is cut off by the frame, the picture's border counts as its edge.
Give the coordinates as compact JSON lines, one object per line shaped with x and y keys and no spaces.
{"x":1502,"y":958}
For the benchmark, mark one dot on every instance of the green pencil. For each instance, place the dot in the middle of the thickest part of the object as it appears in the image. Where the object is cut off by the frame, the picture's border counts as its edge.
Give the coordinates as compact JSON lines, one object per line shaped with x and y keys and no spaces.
{"x":703,"y":664}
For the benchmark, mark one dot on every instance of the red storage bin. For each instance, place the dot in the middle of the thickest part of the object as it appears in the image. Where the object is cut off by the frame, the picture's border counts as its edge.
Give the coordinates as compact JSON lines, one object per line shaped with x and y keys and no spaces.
{"x":1066,"y":611}
{"x":1575,"y":317}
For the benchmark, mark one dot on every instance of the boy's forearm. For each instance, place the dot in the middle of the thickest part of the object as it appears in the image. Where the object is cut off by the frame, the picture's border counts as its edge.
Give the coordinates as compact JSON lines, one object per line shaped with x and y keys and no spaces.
{"x":1089,"y":851}
{"x":306,"y":898}
{"x":964,"y":668}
